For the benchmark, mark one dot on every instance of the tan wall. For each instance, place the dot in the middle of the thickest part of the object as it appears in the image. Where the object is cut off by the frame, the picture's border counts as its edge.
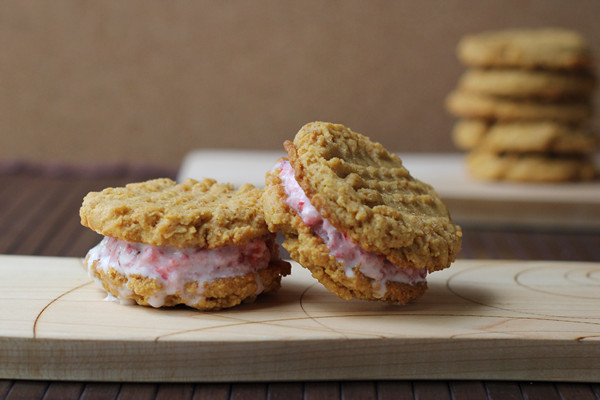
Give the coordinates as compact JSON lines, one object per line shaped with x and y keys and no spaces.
{"x":146,"y":81}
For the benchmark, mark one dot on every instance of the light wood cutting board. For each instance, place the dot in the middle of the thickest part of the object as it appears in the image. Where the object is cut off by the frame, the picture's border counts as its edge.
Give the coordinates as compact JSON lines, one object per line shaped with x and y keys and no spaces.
{"x":573,"y":205}
{"x":478,"y":320}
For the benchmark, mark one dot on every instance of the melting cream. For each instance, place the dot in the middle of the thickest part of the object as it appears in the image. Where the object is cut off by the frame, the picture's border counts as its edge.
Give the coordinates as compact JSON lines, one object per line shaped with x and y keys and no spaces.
{"x":172,"y":267}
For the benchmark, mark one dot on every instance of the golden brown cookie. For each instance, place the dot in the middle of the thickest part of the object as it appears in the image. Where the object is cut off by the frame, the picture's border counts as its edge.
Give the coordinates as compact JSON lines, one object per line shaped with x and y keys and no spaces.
{"x":529,"y":167}
{"x":479,"y":106}
{"x":521,"y":83}
{"x":202,"y":244}
{"x":550,"y":48}
{"x":351,"y":213}
{"x":190,"y":214}
{"x":525,"y":137}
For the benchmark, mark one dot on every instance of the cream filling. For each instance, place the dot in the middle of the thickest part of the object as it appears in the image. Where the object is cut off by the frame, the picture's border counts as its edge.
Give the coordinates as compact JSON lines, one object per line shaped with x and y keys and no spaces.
{"x":349,"y":254}
{"x":172,"y":267}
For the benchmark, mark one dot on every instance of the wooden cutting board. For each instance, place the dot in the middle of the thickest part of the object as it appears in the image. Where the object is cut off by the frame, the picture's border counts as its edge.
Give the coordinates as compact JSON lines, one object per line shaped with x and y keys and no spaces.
{"x":478,"y":320}
{"x":573,"y":205}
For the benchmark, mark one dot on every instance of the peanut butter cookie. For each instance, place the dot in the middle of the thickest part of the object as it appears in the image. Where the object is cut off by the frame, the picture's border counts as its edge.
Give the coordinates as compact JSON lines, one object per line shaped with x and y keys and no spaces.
{"x":480,"y":106}
{"x":203,"y":244}
{"x":529,"y":167}
{"x":522,"y":83}
{"x":526,"y":137}
{"x":550,"y":48}
{"x":352,"y":214}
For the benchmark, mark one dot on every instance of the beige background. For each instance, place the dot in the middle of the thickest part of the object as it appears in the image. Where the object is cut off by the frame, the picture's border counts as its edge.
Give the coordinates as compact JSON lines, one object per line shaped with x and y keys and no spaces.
{"x":146,"y":81}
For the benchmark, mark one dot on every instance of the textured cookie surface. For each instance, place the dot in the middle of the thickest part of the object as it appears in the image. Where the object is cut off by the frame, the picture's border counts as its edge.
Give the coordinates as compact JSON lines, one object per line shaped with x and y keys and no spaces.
{"x":480,"y":106}
{"x":522,"y":167}
{"x":215,"y":295}
{"x":535,"y":136}
{"x":527,"y":83}
{"x":160,"y":212}
{"x":312,"y":253}
{"x":365,"y":192}
{"x":528,"y":48}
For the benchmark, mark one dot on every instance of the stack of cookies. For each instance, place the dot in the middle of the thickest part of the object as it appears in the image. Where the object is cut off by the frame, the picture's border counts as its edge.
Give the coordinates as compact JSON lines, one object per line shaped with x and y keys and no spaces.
{"x":525,"y":106}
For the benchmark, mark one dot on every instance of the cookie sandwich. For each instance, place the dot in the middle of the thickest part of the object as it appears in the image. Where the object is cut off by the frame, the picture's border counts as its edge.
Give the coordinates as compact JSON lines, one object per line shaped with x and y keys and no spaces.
{"x":202,"y":244}
{"x":353,"y":215}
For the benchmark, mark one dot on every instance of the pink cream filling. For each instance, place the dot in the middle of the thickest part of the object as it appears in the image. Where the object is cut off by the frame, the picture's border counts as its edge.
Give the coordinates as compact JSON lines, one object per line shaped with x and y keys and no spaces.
{"x":351,"y":255}
{"x":173,"y":267}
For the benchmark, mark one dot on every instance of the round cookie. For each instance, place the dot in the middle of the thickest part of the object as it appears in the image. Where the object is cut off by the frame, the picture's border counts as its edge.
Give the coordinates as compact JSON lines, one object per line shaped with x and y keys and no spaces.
{"x":527,"y":167}
{"x":159,"y":212}
{"x":550,"y":48}
{"x":520,"y":83}
{"x":202,"y":244}
{"x":370,"y":202}
{"x":535,"y":136}
{"x":479,"y":106}
{"x":543,"y":136}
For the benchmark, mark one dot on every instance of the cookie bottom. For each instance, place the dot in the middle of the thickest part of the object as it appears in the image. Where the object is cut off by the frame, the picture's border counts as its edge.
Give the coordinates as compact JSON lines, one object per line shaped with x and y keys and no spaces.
{"x":217,"y":294}
{"x":311,"y":253}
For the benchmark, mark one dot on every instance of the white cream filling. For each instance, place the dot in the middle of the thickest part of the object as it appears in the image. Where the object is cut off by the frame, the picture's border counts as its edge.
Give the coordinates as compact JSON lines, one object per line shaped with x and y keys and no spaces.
{"x":172,"y":267}
{"x":348,"y":253}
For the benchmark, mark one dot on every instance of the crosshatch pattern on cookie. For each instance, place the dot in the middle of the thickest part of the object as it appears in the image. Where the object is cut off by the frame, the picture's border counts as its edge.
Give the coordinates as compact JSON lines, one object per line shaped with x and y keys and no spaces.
{"x":366,"y":192}
{"x":160,"y":212}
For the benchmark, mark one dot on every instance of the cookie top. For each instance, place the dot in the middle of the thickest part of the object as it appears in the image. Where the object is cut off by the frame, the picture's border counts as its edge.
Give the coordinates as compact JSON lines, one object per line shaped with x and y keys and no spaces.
{"x":366,"y":193}
{"x":524,"y":83}
{"x":160,"y":212}
{"x":474,"y":105}
{"x":552,"y":48}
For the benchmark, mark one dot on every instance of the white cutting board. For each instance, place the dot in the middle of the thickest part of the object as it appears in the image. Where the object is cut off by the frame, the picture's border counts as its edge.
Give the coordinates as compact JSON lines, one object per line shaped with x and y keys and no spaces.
{"x":478,"y":320}
{"x":557,"y":206}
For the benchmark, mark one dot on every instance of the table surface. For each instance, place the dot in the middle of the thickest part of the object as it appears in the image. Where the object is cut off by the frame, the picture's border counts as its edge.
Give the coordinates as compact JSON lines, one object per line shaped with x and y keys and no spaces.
{"x":39,"y":216}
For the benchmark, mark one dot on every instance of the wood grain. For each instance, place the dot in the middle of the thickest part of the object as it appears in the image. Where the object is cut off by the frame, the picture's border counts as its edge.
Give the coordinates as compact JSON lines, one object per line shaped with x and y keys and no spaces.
{"x":478,"y":320}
